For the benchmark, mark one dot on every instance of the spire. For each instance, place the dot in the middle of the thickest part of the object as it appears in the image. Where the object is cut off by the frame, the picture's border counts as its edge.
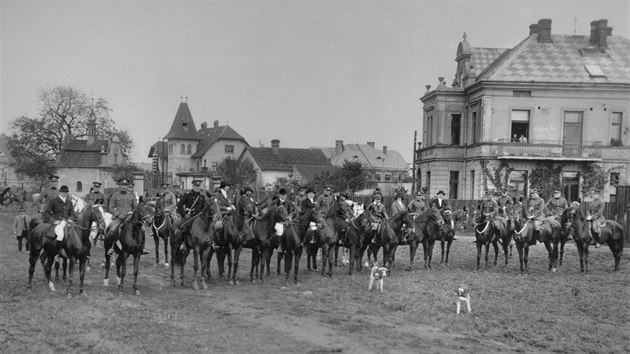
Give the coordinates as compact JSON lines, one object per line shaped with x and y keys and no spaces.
{"x":91,"y":125}
{"x":183,"y":126}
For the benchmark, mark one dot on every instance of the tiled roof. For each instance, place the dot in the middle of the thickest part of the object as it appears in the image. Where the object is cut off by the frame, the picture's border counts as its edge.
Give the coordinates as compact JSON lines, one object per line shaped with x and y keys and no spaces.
{"x":309,"y":172}
{"x":562,"y":61}
{"x":183,"y":126}
{"x":210,"y":136}
{"x":74,"y":159}
{"x":368,"y":156}
{"x":481,"y":58}
{"x":158,"y":147}
{"x":81,"y":145}
{"x":287,"y":158}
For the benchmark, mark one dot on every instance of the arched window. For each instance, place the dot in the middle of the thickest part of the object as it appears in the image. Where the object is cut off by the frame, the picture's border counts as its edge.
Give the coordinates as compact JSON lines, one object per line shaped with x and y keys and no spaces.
{"x":182,"y":149}
{"x":79,"y":187}
{"x":188,"y":149}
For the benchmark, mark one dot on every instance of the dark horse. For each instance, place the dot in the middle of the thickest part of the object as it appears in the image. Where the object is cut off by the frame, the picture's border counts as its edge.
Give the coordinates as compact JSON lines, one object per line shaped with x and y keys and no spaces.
{"x":264,"y":229}
{"x":162,"y":228}
{"x":199,"y":240}
{"x":425,"y":228}
{"x":131,"y":237}
{"x":446,"y":234}
{"x":488,"y":231}
{"x":228,"y":239}
{"x":525,"y":235}
{"x":611,"y":233}
{"x":76,"y":245}
{"x":383,"y":236}
{"x":293,"y":241}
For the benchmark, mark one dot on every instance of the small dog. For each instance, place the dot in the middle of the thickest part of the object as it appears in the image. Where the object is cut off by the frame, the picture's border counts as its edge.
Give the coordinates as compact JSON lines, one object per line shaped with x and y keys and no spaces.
{"x":377,"y":274}
{"x":463,"y":295}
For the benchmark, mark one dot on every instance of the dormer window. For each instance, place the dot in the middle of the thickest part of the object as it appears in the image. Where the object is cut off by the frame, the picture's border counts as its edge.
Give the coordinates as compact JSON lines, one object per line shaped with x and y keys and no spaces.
{"x":594,"y":70}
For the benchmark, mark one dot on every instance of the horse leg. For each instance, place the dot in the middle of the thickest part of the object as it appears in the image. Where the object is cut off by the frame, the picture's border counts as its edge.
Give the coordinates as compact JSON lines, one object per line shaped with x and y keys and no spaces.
{"x":442,"y":248}
{"x":526,"y":260}
{"x":519,"y":248}
{"x":549,"y":254}
{"x":206,"y":254}
{"x":479,"y":245}
{"x":296,"y":261}
{"x":229,"y":261}
{"x":431,"y":245}
{"x":121,"y":270}
{"x":562,"y":242}
{"x":330,"y":261}
{"x":413,"y":246}
{"x":48,"y":270}
{"x":279,"y":263}
{"x":136,"y":266}
{"x":253,"y":263}
{"x":32,"y":262}
{"x":448,"y":249}
{"x":184,"y":255}
{"x":156,"y":240}
{"x":616,"y":249}
{"x":351,"y":255}
{"x":57,"y":265}
{"x":288,"y":262}
{"x":496,"y":252}
{"x":325,"y":254}
{"x":166,"y":251}
{"x":70,"y":278}
{"x":237,"y":255}
{"x":580,"y":249}
{"x":554,"y":256}
{"x":82,"y":265}
{"x":585,"y":248}
{"x":196,"y":255}
{"x":336,"y":255}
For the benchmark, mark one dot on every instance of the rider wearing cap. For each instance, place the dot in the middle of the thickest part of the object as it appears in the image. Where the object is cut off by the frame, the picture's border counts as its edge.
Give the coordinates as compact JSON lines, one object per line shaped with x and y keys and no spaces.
{"x":595,"y":214}
{"x":223,"y":199}
{"x":121,"y":204}
{"x":299,"y":199}
{"x":325,"y":201}
{"x":191,"y":204}
{"x":536,"y":208}
{"x":95,"y":194}
{"x":504,"y":200}
{"x":59,"y":211}
{"x":489,"y":206}
{"x":51,"y":192}
{"x":556,"y":205}
{"x":417,"y":205}
{"x":170,"y":201}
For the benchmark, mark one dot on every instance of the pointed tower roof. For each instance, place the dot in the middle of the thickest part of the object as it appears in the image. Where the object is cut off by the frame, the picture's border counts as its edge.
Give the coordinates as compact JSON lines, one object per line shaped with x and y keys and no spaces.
{"x":183,"y":126}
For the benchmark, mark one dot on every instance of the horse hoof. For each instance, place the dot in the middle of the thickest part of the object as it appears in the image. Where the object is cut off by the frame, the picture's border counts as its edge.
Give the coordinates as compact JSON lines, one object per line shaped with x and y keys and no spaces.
{"x":137,"y":292}
{"x":204,"y":286}
{"x":118,"y":280}
{"x":51,"y":286}
{"x":87,"y":269}
{"x":105,"y":282}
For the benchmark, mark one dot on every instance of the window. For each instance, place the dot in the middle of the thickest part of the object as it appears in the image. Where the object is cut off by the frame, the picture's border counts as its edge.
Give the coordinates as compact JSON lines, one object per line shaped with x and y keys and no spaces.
{"x":377,"y":176}
{"x":614,"y":178}
{"x":520,"y":125}
{"x":79,"y":187}
{"x":572,"y":134}
{"x":474,"y":137}
{"x":453,"y":185}
{"x":170,"y":149}
{"x":615,"y":129}
{"x":204,"y":163}
{"x":429,"y":131}
{"x":388,"y":177}
{"x":214,"y":166}
{"x":594,"y":70}
{"x":182,"y":149}
{"x":516,"y":93}
{"x":428,"y":185}
{"x":189,"y":149}
{"x":229,"y":149}
{"x":456,"y":122}
{"x":472,"y":184}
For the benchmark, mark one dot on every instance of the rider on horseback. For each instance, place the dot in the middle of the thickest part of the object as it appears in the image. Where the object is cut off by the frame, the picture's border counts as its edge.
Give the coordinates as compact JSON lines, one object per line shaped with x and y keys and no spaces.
{"x":49,"y":193}
{"x":417,"y":205}
{"x":325,"y":201}
{"x":245,"y":207}
{"x":121,"y":205}
{"x":170,"y":201}
{"x":441,"y":205}
{"x":95,"y":193}
{"x":536,"y":209}
{"x":378,"y":214}
{"x":504,"y":201}
{"x":595,"y":214}
{"x":60,"y":212}
{"x":282,"y":201}
{"x":556,"y":205}
{"x":190,"y":205}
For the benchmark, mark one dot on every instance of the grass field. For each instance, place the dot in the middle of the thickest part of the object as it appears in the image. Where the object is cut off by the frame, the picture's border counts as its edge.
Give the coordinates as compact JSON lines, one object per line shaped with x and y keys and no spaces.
{"x":567,"y":311}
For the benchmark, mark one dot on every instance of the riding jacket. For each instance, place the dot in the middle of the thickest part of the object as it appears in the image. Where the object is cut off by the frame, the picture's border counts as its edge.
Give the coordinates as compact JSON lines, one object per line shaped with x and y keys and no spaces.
{"x":307,"y":204}
{"x":397,"y":207}
{"x":298,"y":202}
{"x":440,"y":204}
{"x":57,"y":210}
{"x":288,"y":206}
{"x":556,"y":206}
{"x":416,"y":206}
{"x":537,"y":208}
{"x":596,"y":209}
{"x":48,"y":194}
{"x":378,"y":211}
{"x":191,"y":203}
{"x":324,"y":202}
{"x":92,"y":197}
{"x":122,"y":203}
{"x":489,"y":206}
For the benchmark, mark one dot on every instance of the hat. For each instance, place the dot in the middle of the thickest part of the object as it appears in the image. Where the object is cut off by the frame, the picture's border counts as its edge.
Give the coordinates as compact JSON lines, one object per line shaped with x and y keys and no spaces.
{"x":224,"y":184}
{"x":248,"y":189}
{"x":197,"y":182}
{"x":302,"y":188}
{"x":282,"y":191}
{"x":534,"y":190}
{"x":400,"y":196}
{"x":64,"y":189}
{"x":418,"y":193}
{"x":53,"y":178}
{"x":164,"y":185}
{"x":310,"y":190}
{"x":441,"y":192}
{"x":123,"y":182}
{"x":557,"y":190}
{"x":97,"y":184}
{"x":328,"y":189}
{"x":594,"y":191}
{"x":378,"y":196}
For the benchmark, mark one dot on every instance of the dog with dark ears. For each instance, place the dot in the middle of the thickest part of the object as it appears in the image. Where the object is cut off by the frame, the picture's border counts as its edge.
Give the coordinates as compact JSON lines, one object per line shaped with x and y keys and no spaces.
{"x":376,"y":275}
{"x":463,"y":295}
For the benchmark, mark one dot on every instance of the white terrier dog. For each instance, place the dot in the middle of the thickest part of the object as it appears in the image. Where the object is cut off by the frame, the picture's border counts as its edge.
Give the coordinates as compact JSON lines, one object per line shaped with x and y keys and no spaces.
{"x":377,"y":273}
{"x":463,"y":295}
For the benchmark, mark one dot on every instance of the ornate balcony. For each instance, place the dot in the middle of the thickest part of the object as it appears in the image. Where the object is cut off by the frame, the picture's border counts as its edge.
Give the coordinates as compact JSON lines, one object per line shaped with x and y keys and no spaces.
{"x":548,"y":150}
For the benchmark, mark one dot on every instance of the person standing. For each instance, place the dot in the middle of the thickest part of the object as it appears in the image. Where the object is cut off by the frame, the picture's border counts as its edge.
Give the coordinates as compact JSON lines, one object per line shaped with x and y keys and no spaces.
{"x":20,"y":228}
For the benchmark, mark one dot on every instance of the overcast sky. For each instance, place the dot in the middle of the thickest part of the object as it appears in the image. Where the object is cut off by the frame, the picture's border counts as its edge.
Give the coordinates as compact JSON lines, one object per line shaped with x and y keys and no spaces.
{"x":305,"y":72}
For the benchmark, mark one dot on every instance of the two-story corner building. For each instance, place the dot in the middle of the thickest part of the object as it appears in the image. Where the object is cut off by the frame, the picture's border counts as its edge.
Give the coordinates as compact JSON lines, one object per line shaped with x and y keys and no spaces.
{"x":81,"y":162}
{"x":552,"y":99}
{"x":186,"y":153}
{"x":389,"y":167}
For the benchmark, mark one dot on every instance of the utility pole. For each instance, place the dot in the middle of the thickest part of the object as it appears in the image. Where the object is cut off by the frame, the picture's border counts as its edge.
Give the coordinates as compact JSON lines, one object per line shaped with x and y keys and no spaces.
{"x":413,"y":164}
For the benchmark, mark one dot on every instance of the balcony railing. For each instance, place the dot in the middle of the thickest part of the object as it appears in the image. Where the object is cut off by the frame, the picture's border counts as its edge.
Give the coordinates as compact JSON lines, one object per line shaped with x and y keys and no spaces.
{"x":549,"y":148}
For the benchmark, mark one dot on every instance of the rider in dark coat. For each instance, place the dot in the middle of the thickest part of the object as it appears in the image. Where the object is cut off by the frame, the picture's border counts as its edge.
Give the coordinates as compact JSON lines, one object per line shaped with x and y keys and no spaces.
{"x":191,"y":204}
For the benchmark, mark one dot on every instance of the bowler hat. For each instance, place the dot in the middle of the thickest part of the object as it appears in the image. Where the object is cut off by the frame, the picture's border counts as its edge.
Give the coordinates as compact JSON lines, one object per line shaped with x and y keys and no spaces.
{"x":248,"y":189}
{"x":164,"y":185}
{"x":441,"y":192}
{"x":310,"y":190}
{"x":282,"y":191}
{"x":224,"y":184}
{"x":64,"y":189}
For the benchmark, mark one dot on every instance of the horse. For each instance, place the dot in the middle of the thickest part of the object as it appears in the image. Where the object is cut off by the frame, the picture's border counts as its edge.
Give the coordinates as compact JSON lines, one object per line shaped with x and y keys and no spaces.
{"x":523,"y":235}
{"x":400,"y":223}
{"x":293,"y":241}
{"x":200,"y":240}
{"x":425,"y":228}
{"x":229,"y":240}
{"x":161,"y":228}
{"x":348,"y":235}
{"x":460,"y":218}
{"x":611,"y":233}
{"x":76,"y":245}
{"x":263,"y":230}
{"x":486,"y":233}
{"x":446,"y":234}
{"x":384,"y":236}
{"x":131,"y":237}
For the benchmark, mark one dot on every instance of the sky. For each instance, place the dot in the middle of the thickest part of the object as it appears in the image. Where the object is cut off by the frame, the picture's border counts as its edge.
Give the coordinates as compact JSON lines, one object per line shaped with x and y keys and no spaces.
{"x":305,"y":72}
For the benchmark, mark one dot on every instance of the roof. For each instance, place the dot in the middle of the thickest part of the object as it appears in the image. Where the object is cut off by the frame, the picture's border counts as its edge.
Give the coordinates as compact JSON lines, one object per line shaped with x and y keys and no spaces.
{"x":562,"y":60}
{"x":368,"y":156}
{"x":286,"y":158}
{"x":481,"y":58}
{"x":309,"y":172}
{"x":210,"y":136}
{"x":81,"y":145}
{"x":77,"y":153}
{"x":183,"y":126}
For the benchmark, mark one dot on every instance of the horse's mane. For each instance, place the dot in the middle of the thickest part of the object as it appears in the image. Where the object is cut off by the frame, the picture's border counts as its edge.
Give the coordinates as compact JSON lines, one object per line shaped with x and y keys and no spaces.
{"x":159,"y":205}
{"x":334,"y":211}
{"x":399,"y":217}
{"x":427,"y":215}
{"x":270,"y":215}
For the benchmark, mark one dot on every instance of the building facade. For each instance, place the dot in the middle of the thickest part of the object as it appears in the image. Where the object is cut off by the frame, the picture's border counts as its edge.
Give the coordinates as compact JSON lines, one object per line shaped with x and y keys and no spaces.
{"x":552,"y":102}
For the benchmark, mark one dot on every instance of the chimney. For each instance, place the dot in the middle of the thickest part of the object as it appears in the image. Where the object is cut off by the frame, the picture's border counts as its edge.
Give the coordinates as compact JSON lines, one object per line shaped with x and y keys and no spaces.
{"x":603,"y":31}
{"x":216,"y":123}
{"x":204,"y":125}
{"x":275,"y":146}
{"x":338,"y":146}
{"x":594,"y":25}
{"x":544,"y":30}
{"x":371,"y":143}
{"x":533,"y":29}
{"x":384,"y":150}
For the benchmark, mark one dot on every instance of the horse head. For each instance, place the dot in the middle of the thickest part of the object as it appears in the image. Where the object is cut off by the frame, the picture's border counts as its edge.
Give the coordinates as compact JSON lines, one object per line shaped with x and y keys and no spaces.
{"x":143,"y":213}
{"x":93,"y":214}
